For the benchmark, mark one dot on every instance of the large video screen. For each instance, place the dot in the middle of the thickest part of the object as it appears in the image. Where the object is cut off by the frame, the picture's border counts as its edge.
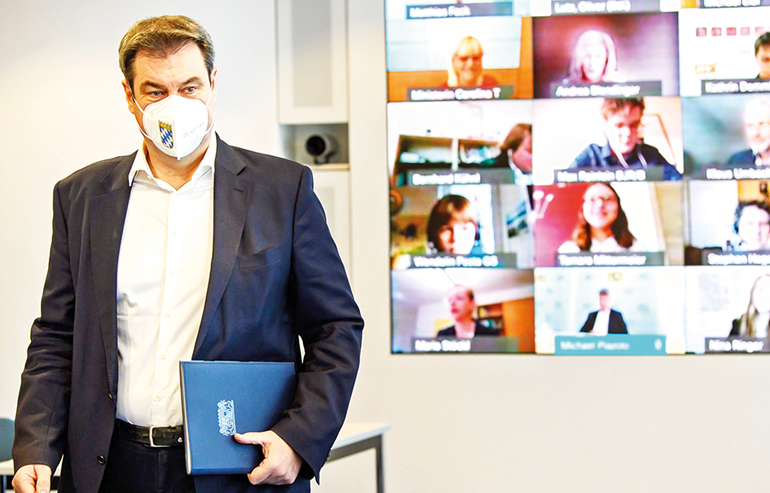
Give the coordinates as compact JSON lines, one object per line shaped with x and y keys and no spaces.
{"x":579,"y":177}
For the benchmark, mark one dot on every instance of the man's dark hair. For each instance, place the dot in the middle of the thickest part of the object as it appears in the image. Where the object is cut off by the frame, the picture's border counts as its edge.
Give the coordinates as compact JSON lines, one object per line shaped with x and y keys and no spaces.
{"x":759,"y":204}
{"x":763,"y":40}
{"x":161,"y":37}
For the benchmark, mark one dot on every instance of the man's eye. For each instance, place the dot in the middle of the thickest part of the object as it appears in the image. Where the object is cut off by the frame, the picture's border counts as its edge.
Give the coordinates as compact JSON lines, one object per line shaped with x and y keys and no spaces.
{"x":189,"y":90}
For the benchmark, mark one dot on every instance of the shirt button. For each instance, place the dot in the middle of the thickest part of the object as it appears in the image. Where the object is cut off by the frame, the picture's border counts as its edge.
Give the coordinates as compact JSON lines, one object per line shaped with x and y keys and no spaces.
{"x":100,"y":459}
{"x":162,"y":357}
{"x":158,"y":398}
{"x":167,"y":314}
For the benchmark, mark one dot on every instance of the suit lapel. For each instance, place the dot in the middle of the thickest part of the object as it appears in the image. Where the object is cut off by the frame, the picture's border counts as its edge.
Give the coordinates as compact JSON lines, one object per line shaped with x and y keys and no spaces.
{"x":230,"y":199}
{"x":107,"y":215}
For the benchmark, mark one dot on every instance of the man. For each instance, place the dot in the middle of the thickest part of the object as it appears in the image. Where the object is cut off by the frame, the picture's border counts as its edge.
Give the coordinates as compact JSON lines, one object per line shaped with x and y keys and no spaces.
{"x":187,"y":249}
{"x":605,"y":320}
{"x":762,"y":54}
{"x":625,"y":147}
{"x":752,"y":226}
{"x":462,"y":305}
{"x":756,"y":124}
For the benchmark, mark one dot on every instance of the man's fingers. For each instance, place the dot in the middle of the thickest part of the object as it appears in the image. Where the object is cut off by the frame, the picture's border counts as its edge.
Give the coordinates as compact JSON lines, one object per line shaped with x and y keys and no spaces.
{"x":32,"y":479}
{"x":43,"y":479}
{"x":261,"y":473}
{"x":252,"y":438}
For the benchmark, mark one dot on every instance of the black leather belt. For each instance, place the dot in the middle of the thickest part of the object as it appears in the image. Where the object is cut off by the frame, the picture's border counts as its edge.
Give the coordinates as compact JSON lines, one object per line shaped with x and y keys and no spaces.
{"x":152,"y":436}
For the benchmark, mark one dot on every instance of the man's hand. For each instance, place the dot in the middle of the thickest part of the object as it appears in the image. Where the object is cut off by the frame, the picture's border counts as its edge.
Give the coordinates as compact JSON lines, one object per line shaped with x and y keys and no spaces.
{"x":281,"y":464}
{"x":32,"y":478}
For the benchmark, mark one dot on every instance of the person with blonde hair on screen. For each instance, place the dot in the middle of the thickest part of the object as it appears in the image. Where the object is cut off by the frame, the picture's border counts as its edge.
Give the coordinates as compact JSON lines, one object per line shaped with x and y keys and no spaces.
{"x":594,"y":59}
{"x":755,"y":320}
{"x":466,"y":69}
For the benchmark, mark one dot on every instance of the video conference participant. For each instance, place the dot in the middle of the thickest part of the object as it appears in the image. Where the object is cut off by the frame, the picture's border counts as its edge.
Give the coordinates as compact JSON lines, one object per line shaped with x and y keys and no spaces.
{"x":605,"y":320}
{"x":462,"y":305}
{"x":625,"y":147}
{"x":186,"y":249}
{"x":756,"y":124}
{"x":755,"y":321}
{"x":466,"y":69}
{"x":517,"y":150}
{"x":762,"y":54}
{"x":752,"y":226}
{"x":594,"y":59}
{"x":453,"y":226}
{"x":602,"y":225}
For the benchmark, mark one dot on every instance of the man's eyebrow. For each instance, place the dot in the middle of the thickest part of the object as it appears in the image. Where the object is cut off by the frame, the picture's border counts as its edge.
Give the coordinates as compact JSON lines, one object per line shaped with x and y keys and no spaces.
{"x":192,"y":80}
{"x":149,"y":84}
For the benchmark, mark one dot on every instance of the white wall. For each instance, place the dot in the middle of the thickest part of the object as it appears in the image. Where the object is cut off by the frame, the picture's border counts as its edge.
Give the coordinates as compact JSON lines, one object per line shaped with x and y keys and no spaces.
{"x":460,"y":424}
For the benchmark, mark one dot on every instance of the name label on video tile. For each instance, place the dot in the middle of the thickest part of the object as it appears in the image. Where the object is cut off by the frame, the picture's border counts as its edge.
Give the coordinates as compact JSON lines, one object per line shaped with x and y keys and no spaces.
{"x":607,"y":89}
{"x":719,"y":257}
{"x":456,"y":11}
{"x":734,"y":173}
{"x":736,"y":345}
{"x":625,"y":259}
{"x":734,"y":86}
{"x":652,"y":173}
{"x":618,"y":344}
{"x":587,"y":7}
{"x":503,"y":260}
{"x":479,"y":344}
{"x":460,"y":93}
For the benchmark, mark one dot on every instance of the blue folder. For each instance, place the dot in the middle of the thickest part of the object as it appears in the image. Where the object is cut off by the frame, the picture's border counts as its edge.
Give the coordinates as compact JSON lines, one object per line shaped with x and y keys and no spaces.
{"x":220,"y":398}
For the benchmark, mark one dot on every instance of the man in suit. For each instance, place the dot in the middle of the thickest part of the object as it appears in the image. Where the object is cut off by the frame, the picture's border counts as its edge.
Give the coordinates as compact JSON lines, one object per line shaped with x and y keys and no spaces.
{"x":756,"y":124}
{"x":605,"y":320}
{"x":187,"y":249}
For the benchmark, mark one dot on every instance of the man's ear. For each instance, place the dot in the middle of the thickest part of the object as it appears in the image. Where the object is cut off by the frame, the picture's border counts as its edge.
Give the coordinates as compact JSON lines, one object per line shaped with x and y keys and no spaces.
{"x":213,"y":80}
{"x":129,"y":97}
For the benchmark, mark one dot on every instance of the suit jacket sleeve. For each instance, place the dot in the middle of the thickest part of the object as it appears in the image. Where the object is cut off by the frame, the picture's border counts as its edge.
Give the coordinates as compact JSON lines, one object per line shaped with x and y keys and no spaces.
{"x":328,"y":321}
{"x":43,"y":406}
{"x":588,"y":326}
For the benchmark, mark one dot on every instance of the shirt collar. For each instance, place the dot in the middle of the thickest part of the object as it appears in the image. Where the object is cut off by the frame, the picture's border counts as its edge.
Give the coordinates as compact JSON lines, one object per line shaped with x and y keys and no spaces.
{"x":141,"y":164}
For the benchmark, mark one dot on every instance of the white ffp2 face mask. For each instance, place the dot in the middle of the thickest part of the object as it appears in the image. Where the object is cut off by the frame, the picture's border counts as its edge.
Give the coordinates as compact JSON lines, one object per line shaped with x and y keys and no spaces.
{"x":176,"y":125}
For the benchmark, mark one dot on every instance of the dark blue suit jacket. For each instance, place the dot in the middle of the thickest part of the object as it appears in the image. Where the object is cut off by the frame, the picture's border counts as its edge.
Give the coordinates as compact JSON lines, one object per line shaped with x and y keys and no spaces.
{"x":616,"y":326}
{"x":743,"y":157}
{"x":275,"y":275}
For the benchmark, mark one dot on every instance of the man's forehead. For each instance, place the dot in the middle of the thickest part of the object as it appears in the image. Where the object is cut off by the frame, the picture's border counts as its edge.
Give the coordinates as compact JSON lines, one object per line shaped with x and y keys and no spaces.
{"x":187,"y":58}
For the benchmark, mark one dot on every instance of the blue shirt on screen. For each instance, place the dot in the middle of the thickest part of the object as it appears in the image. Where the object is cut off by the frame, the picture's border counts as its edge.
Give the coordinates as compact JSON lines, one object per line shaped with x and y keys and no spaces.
{"x":601,"y":156}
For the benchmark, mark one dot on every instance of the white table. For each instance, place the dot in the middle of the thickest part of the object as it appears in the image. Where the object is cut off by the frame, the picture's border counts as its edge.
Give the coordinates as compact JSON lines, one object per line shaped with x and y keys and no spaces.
{"x":353,"y":438}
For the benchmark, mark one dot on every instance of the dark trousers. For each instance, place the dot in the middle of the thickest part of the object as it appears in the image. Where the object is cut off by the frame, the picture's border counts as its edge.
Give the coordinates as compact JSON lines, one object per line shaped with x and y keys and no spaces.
{"x":136,"y":468}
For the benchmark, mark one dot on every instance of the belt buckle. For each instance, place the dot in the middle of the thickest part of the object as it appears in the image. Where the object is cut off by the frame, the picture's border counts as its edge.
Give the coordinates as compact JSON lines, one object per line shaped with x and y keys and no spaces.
{"x":152,"y":442}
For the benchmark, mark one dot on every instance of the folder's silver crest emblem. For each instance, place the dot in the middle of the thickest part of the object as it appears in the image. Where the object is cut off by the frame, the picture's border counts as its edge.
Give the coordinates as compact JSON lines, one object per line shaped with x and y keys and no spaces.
{"x":226,"y":413}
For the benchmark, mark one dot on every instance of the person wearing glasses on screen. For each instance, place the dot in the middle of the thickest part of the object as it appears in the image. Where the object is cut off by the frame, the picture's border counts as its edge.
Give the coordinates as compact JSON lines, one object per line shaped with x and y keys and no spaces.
{"x":594,"y":59}
{"x":462,"y":305}
{"x":466,"y":69}
{"x":762,"y":54}
{"x":755,"y":320}
{"x":453,"y":226}
{"x":752,"y":227}
{"x":756,"y":124}
{"x":602,"y":225}
{"x":625,"y":147}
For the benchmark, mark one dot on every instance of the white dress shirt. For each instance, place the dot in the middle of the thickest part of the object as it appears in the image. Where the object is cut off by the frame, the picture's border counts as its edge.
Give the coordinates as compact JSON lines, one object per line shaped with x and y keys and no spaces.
{"x":602,"y":323}
{"x":163,"y":273}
